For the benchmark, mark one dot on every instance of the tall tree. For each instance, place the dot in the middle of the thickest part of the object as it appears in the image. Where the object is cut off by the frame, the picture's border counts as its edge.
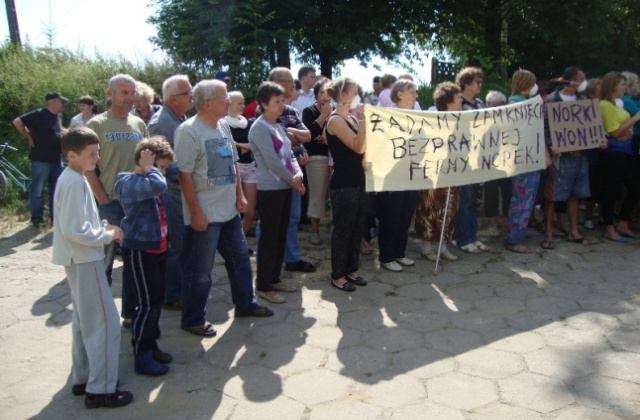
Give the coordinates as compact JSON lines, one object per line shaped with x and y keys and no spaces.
{"x":208,"y":34}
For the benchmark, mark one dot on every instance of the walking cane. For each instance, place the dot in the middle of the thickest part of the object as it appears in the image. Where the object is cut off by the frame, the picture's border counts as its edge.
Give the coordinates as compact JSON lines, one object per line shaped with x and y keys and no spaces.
{"x":444,"y":220}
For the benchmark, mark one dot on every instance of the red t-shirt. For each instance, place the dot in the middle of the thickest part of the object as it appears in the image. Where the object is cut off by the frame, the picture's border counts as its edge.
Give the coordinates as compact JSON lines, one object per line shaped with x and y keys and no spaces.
{"x":164,"y":227}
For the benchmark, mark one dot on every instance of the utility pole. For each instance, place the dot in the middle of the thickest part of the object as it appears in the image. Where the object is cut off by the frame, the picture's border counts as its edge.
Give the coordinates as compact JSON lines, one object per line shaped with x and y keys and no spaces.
{"x":12,"y":19}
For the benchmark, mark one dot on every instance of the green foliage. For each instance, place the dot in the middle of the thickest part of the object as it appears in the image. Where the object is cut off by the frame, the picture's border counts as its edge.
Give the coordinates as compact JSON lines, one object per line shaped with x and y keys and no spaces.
{"x":27,"y":74}
{"x":503,"y":35}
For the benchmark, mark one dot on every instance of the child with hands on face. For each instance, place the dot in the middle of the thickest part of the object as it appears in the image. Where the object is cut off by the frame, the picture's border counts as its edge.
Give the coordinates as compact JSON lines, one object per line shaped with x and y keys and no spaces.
{"x":142,"y":194}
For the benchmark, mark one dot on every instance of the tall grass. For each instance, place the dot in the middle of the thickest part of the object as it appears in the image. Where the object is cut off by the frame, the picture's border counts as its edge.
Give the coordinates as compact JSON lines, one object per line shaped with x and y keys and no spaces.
{"x":27,"y":74}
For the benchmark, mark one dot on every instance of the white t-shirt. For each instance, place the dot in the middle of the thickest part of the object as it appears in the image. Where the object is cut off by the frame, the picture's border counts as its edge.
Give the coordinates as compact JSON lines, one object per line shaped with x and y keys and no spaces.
{"x":209,"y":155}
{"x":305,"y":100}
{"x":385,"y":98}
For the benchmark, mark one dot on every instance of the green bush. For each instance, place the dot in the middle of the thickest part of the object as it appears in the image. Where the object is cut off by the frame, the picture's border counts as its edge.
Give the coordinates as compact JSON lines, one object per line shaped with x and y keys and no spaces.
{"x":27,"y":74}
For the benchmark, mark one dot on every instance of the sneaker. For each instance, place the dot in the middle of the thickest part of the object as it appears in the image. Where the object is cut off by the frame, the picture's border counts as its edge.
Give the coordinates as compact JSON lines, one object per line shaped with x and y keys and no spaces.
{"x":588,"y":224}
{"x":407,"y":262}
{"x":315,"y":239}
{"x":448,"y":255}
{"x":117,"y":399}
{"x":283,"y":287}
{"x":272,"y":297}
{"x":302,"y":265}
{"x":431,"y":256}
{"x":392,"y":266}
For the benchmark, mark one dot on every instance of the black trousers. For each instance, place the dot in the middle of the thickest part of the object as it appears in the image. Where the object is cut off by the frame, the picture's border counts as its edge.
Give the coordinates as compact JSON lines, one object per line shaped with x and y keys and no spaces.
{"x":147,"y":274}
{"x":349,"y":207}
{"x":619,"y":169}
{"x":274,"y":207}
{"x":491,"y":199}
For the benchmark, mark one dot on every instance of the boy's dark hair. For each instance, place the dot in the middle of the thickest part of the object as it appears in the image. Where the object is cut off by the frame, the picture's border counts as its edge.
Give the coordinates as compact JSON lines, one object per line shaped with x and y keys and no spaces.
{"x":77,"y":138}
{"x":304,"y":70}
{"x":158,"y":145}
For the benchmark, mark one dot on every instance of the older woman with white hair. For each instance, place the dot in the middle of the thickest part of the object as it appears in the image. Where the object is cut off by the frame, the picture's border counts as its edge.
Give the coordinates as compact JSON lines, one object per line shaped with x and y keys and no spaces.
{"x":143,"y":106}
{"x":395,"y":209}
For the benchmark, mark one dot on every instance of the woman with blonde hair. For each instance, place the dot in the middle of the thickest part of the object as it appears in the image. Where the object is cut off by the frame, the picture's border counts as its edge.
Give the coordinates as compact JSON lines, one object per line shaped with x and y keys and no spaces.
{"x":346,"y":140}
{"x":240,"y":127}
{"x":619,"y":163}
{"x":143,"y":105}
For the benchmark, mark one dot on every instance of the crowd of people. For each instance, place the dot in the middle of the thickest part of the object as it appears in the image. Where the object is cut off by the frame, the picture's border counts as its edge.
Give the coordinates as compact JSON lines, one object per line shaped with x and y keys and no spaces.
{"x":171,"y":190}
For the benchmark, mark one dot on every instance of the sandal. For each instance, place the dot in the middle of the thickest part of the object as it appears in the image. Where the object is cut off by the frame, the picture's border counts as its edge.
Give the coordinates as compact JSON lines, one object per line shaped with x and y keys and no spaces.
{"x":582,"y":240}
{"x":173,"y":306}
{"x":627,"y":235}
{"x":258,"y":312}
{"x":358,"y":281}
{"x":547,"y":244}
{"x":470,"y":248}
{"x":204,"y":330}
{"x":347,"y":287}
{"x":482,"y":246}
{"x":517,"y":248}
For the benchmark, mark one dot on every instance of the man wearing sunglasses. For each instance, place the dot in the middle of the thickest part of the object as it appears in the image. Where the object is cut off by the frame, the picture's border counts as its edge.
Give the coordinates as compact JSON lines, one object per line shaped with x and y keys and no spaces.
{"x":178,"y":99}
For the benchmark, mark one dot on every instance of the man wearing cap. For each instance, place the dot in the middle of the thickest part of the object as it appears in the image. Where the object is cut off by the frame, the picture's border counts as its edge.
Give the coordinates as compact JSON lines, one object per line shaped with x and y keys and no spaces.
{"x":224,"y":77}
{"x":373,"y":98}
{"x":42,"y":128}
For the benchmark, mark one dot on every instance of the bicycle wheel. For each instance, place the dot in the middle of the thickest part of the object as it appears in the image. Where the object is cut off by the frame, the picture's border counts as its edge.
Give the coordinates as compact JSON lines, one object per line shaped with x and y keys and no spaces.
{"x":3,"y":186}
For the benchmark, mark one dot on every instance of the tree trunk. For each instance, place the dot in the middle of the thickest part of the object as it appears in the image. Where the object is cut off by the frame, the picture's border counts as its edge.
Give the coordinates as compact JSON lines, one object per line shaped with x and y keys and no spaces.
{"x":493,"y":33}
{"x":327,"y":62}
{"x":283,"y":53}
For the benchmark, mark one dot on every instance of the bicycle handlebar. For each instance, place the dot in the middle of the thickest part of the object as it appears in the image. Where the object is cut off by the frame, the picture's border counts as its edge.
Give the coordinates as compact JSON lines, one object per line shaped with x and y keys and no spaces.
{"x":7,"y":146}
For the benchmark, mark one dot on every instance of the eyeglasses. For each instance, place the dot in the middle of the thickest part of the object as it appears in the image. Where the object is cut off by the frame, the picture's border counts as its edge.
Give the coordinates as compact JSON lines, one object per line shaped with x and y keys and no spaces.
{"x":188,"y":93}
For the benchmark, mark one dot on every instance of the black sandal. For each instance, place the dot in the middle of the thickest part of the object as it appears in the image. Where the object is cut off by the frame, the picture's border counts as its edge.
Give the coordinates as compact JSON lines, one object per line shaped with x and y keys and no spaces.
{"x":205,"y":330}
{"x":358,"y":281}
{"x":347,"y":287}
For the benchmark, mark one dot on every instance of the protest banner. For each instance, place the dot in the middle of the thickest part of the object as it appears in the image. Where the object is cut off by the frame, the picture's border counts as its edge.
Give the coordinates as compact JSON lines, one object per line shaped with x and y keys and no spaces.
{"x":575,"y":125}
{"x":421,"y":150}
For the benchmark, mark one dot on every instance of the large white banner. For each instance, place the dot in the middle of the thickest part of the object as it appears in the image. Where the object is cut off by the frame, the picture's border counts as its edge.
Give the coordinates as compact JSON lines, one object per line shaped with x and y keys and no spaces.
{"x":421,"y":150}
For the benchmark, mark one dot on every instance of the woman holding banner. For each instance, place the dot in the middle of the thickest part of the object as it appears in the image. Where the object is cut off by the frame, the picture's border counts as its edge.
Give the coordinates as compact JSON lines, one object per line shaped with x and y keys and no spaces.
{"x":395,"y":209}
{"x":349,"y":199}
{"x":619,"y":163}
{"x":432,"y":208}
{"x":524,"y":186}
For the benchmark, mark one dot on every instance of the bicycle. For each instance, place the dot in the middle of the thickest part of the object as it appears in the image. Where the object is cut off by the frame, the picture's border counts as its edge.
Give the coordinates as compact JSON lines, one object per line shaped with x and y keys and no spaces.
{"x":7,"y":169}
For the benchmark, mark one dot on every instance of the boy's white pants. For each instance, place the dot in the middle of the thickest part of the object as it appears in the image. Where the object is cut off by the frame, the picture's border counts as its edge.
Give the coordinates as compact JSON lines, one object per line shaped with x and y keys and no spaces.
{"x":95,"y":326}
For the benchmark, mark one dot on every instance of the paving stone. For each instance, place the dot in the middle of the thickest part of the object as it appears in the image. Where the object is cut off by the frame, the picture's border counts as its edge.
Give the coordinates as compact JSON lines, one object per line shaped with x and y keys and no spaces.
{"x":615,"y":365}
{"x":359,"y":361}
{"x":428,"y":410}
{"x":423,"y":320}
{"x":490,"y":364}
{"x":453,"y":341}
{"x":593,"y":321}
{"x":326,"y":386}
{"x":515,"y":341}
{"x":392,"y":390}
{"x":621,"y":397}
{"x":500,"y":306}
{"x":499,"y":411}
{"x":277,"y":409}
{"x":461,"y":391}
{"x":423,"y":363}
{"x":333,"y":338}
{"x":584,"y":413}
{"x":624,"y":340}
{"x":347,"y":409}
{"x":560,"y":363}
{"x":535,"y":392}
{"x":393,"y":340}
{"x":478,"y":322}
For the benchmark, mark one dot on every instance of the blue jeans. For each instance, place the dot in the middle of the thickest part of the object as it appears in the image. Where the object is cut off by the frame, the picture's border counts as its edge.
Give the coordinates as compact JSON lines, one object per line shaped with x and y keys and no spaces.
{"x":42,"y":173}
{"x":291,"y":250}
{"x":114,"y":213}
{"x":467,"y":218}
{"x":200,"y":251}
{"x":175,"y":253}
